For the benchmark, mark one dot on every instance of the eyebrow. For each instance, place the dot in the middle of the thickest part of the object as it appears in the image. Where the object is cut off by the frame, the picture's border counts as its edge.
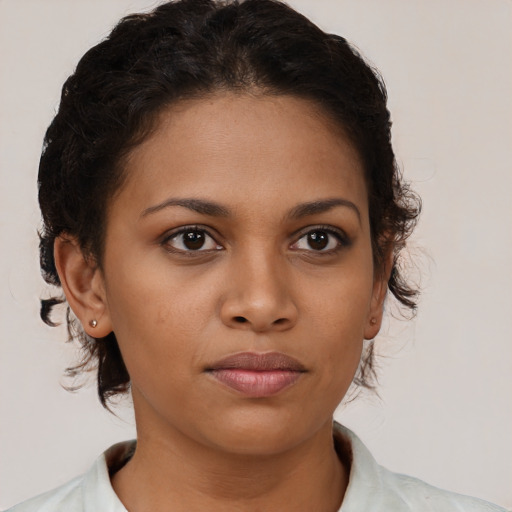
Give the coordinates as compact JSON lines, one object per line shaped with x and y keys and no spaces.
{"x":198,"y":205}
{"x":214,"y":209}
{"x":321,"y":206}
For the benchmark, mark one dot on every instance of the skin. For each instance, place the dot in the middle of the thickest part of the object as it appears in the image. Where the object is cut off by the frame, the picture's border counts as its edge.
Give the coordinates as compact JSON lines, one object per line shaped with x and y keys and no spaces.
{"x":256,"y":285}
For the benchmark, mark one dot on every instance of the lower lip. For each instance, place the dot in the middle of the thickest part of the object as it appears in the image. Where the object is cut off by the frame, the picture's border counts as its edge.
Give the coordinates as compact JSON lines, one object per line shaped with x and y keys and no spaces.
{"x":257,"y":384}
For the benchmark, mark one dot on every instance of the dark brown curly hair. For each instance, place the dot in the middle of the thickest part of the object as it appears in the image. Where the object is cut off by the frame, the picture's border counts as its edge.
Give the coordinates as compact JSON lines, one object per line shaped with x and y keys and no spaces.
{"x":193,"y":48}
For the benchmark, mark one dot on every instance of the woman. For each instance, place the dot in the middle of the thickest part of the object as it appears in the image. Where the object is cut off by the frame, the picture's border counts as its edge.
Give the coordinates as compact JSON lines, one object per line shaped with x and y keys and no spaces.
{"x":223,"y":212}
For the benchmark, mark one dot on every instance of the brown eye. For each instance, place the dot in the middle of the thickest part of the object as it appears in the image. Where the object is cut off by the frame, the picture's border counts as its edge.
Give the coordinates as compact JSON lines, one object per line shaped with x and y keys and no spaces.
{"x":190,"y":240}
{"x":321,"y":240}
{"x":193,"y":240}
{"x":318,"y":240}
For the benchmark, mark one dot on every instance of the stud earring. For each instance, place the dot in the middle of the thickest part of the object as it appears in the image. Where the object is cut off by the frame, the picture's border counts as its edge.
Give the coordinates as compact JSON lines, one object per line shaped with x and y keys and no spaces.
{"x":373,"y":320}
{"x":93,"y":323}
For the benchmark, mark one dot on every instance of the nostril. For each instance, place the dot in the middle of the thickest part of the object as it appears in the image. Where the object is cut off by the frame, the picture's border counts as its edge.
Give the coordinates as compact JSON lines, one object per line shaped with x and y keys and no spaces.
{"x":240,"y":319}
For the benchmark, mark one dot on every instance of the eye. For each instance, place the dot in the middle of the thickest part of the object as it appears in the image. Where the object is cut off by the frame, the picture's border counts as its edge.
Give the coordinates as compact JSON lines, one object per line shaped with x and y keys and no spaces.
{"x":191,"y":239}
{"x":321,"y":240}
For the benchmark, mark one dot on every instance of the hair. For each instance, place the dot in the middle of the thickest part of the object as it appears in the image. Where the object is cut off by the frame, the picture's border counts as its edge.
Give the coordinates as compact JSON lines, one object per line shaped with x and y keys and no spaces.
{"x":192,"y":49}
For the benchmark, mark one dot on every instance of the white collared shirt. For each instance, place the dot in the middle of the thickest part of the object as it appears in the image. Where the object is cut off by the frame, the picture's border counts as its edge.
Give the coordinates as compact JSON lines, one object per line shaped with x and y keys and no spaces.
{"x":371,"y":487}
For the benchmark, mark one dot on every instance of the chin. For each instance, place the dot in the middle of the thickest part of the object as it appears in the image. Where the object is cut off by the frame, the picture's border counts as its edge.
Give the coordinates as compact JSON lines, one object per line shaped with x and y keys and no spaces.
{"x":261,"y":432}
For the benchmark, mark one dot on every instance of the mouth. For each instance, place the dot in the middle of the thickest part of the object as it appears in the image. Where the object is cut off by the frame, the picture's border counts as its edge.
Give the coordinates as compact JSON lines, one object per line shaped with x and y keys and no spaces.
{"x":257,"y":375}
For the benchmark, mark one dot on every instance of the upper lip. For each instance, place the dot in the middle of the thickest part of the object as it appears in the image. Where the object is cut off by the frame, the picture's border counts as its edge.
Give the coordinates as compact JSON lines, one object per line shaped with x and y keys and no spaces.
{"x":268,"y":361}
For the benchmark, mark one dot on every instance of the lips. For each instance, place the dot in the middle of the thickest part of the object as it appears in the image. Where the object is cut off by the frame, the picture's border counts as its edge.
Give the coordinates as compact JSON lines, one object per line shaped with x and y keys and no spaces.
{"x":257,"y":375}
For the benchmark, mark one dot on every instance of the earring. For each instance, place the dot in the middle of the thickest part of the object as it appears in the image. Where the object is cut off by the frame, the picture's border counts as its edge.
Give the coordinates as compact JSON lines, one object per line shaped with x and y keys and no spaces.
{"x":373,"y":320}
{"x":93,"y":323}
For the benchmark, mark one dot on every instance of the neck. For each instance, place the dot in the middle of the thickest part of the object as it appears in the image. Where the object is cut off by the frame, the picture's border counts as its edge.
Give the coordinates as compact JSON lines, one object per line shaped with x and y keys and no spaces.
{"x":174,"y":468}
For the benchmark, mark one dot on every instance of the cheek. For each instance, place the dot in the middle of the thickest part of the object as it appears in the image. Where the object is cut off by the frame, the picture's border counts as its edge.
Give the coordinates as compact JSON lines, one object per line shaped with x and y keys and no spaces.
{"x":148,"y":288}
{"x":338,"y":349}
{"x":157,"y":315}
{"x":338,"y":357}
{"x":340,"y":308}
{"x":338,"y":317}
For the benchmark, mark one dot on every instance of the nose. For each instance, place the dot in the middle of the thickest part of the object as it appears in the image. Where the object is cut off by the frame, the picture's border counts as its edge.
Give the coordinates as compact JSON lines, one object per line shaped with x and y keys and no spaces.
{"x":259,"y":296}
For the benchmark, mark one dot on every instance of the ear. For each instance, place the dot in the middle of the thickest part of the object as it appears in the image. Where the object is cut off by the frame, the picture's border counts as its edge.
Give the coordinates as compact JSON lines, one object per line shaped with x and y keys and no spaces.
{"x":83,"y":285}
{"x":380,"y":288}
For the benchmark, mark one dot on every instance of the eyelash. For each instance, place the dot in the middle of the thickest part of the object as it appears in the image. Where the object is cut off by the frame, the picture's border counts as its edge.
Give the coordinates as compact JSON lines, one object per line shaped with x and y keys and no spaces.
{"x":338,"y":234}
{"x":190,"y":252}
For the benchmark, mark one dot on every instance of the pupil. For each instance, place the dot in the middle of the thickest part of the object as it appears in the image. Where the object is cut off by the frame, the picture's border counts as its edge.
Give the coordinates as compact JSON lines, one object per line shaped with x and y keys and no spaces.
{"x":318,"y":240}
{"x":193,"y":240}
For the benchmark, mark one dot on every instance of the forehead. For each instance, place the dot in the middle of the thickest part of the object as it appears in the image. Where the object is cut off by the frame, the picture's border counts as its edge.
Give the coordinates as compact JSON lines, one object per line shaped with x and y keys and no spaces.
{"x":240,"y":148}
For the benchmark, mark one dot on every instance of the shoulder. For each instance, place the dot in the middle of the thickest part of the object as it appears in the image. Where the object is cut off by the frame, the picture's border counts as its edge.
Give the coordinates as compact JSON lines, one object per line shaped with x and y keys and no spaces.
{"x":374,"y":488}
{"x":418,"y":495}
{"x":89,"y":492}
{"x":67,"y":497}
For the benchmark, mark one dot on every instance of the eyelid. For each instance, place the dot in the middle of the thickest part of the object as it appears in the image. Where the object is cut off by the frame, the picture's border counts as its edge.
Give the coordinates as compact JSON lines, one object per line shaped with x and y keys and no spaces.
{"x":342,"y":237}
{"x":174,"y":233}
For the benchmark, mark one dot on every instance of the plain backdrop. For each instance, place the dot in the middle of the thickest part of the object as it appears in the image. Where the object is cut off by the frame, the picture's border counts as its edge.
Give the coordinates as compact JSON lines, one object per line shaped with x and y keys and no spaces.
{"x":445,"y":407}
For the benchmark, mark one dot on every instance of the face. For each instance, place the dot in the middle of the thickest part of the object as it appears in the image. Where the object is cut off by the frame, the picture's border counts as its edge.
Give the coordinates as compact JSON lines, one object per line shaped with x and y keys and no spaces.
{"x":238,"y":274}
